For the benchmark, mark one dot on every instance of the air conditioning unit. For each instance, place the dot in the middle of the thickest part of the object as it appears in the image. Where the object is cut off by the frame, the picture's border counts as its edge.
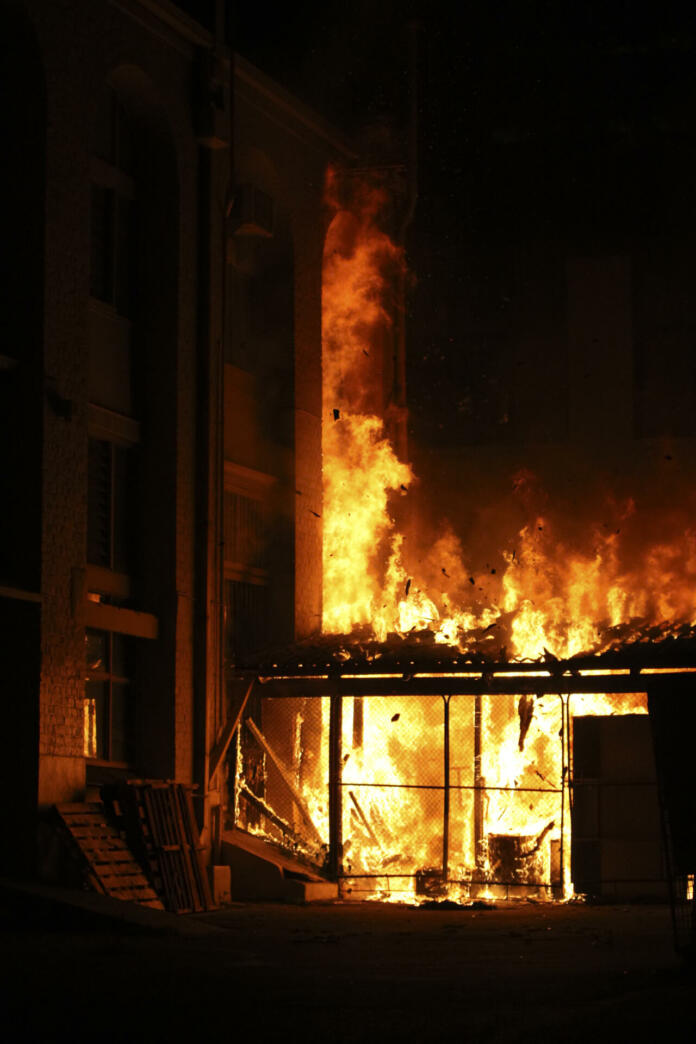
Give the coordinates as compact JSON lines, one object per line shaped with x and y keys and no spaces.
{"x":253,"y":212}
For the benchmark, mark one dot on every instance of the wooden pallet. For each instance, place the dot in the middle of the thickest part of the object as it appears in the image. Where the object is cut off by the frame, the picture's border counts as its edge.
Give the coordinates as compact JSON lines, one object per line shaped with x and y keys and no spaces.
{"x":106,"y":861}
{"x":160,"y":823}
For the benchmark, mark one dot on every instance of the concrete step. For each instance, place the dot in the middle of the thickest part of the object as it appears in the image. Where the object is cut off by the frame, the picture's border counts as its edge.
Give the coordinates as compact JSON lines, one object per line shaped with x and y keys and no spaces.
{"x":310,"y":891}
{"x":260,"y":872}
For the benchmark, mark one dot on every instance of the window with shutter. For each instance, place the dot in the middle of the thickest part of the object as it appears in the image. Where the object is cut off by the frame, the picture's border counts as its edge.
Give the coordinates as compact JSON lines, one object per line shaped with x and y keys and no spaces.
{"x":247,"y":539}
{"x":99,"y":504}
{"x":245,"y":528}
{"x":246,"y":618}
{"x":109,"y":514}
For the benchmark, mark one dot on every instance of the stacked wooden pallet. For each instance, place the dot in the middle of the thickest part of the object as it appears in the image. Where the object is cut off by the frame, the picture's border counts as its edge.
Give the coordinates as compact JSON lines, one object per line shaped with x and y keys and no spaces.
{"x":160,"y":824}
{"x":104,"y":858}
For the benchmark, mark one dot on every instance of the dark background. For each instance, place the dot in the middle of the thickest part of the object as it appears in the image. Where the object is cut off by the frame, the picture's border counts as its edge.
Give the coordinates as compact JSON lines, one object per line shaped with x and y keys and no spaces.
{"x":545,"y":131}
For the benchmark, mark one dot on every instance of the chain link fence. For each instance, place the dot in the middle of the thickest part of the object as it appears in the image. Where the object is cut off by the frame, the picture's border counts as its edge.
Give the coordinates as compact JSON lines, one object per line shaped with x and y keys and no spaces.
{"x":281,"y":774}
{"x":459,"y":795}
{"x":432,"y":795}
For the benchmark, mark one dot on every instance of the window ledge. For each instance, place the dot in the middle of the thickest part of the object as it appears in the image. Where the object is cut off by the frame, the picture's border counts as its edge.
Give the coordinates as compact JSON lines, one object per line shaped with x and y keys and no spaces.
{"x":247,"y":481}
{"x":108,"y":582}
{"x":107,"y":175}
{"x":101,"y":763}
{"x":20,"y":594}
{"x":123,"y":621}
{"x":111,"y":426}
{"x":247,"y":574}
{"x":8,"y":362}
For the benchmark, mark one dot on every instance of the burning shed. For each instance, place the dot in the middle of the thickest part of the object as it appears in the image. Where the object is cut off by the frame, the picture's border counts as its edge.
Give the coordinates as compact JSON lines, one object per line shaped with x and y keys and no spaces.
{"x":410,"y":770}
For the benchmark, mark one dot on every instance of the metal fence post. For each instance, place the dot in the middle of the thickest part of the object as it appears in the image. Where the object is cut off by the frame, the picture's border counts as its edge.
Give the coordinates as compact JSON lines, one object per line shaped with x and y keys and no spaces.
{"x":335,"y":795}
{"x":566,"y":784}
{"x":446,"y":796}
{"x":479,"y":853}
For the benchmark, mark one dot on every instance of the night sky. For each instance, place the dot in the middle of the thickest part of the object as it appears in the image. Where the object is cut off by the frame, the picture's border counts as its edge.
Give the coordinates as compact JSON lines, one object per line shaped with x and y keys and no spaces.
{"x":552,"y":128}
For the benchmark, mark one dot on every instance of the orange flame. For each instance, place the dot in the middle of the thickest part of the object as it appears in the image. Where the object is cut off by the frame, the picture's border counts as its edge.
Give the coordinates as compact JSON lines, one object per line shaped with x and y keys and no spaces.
{"x":361,"y":468}
{"x":552,"y":598}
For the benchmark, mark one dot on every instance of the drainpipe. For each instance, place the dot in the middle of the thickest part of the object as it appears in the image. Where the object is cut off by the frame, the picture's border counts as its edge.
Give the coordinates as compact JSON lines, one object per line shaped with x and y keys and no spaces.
{"x":212,"y":335}
{"x":223,"y":41}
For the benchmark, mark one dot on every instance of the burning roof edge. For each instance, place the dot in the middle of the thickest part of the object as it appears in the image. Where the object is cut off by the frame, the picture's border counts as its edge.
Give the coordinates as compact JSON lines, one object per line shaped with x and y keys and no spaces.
{"x":347,"y":658}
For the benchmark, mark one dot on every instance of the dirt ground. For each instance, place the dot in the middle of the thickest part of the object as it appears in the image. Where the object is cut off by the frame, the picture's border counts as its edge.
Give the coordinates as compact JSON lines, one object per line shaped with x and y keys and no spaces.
{"x":345,"y":972}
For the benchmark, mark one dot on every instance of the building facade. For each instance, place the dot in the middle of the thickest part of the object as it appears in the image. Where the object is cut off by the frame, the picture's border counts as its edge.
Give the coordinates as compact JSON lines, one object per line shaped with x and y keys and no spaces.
{"x":160,"y":383}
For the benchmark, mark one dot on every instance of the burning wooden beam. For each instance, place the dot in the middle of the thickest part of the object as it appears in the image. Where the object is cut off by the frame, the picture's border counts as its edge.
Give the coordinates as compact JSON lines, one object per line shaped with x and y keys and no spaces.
{"x":230,"y":727}
{"x":364,"y":820}
{"x":260,"y":805}
{"x":285,"y":775}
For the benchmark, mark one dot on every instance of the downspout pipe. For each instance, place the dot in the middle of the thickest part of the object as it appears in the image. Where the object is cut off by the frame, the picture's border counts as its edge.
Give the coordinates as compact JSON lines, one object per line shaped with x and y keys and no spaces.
{"x":212,"y":211}
{"x":224,"y":37}
{"x":223,"y":43}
